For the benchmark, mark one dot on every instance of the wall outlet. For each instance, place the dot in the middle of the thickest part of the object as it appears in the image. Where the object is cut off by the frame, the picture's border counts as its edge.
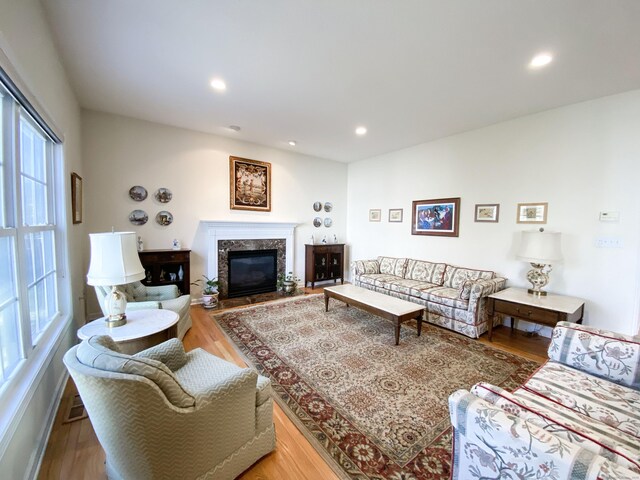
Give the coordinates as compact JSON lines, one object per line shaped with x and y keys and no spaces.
{"x":608,"y":242}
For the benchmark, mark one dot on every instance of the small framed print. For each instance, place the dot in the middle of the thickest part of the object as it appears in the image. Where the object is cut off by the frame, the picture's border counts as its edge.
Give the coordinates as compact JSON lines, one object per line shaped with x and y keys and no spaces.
{"x":375,"y":215}
{"x":532,"y":212}
{"x":395,"y":215}
{"x":487,"y":212}
{"x":76,"y":198}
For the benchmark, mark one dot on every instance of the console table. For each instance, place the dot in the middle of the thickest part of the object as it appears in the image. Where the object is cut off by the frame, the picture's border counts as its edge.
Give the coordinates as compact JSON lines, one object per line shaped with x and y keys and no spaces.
{"x":546,"y":310}
{"x":324,"y":262}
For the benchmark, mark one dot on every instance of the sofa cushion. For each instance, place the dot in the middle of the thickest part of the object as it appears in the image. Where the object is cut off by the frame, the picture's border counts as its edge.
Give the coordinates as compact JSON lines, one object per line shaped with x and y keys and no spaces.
{"x":445,"y":296}
{"x":455,"y":276}
{"x":98,"y":352}
{"x":414,"y":288}
{"x":604,"y":401}
{"x":425,"y":271}
{"x":377,"y":279}
{"x":392,"y":266}
{"x":594,"y":437}
{"x":610,"y":355}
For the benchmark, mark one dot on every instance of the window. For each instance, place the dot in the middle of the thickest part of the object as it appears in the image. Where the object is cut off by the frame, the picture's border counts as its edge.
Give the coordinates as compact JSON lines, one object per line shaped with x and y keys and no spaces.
{"x":29,"y":297}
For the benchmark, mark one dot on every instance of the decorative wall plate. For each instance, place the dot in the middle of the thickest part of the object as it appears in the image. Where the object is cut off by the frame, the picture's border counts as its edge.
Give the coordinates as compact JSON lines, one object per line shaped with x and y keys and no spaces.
{"x":163,"y":195}
{"x":317,"y":222}
{"x":164,"y":218}
{"x":328,"y":222}
{"x":328,"y":206}
{"x":138,"y":217}
{"x":138,"y":193}
{"x":317,"y":206}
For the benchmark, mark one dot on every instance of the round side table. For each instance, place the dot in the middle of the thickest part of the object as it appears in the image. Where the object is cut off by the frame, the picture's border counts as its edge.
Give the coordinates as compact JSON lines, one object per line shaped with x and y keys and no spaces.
{"x":144,"y":329}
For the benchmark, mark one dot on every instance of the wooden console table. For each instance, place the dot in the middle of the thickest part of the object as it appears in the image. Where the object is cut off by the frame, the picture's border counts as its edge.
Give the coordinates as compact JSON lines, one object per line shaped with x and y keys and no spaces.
{"x":547,"y":310}
{"x":324,"y":262}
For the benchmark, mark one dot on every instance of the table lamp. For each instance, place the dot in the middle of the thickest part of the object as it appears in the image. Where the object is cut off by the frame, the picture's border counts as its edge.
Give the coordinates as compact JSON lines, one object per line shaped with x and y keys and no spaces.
{"x":114,"y":261}
{"x":541,"y":249}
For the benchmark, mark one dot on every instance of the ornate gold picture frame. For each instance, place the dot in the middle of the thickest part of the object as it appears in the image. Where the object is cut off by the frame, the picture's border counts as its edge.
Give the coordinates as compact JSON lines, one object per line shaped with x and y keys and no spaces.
{"x":250,"y":184}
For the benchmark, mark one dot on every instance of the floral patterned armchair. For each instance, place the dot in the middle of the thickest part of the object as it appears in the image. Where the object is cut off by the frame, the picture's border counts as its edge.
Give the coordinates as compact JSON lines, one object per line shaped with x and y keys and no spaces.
{"x":577,"y":417}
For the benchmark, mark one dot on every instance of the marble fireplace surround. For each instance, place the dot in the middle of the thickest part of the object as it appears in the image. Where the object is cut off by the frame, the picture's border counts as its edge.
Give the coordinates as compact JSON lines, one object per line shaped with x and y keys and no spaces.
{"x":246,"y":236}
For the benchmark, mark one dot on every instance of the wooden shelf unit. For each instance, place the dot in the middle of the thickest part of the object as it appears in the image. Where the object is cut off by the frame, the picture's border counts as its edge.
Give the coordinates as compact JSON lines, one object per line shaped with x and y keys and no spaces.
{"x":324,"y":262}
{"x":159,"y":263}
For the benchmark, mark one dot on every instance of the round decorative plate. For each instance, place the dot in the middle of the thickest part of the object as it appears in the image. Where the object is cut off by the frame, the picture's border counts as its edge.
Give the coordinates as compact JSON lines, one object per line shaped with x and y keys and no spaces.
{"x":164,"y":218}
{"x":328,"y":206}
{"x":317,"y":206}
{"x":138,"y":193}
{"x":163,"y":195}
{"x":328,"y":222}
{"x":317,"y":222}
{"x":138,"y":217}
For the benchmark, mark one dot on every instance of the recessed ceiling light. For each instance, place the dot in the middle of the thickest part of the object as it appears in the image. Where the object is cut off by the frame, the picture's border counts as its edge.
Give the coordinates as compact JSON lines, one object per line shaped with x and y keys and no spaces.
{"x":361,"y":131}
{"x":292,"y":143}
{"x":235,"y":128}
{"x":540,"y":60}
{"x":218,"y":84}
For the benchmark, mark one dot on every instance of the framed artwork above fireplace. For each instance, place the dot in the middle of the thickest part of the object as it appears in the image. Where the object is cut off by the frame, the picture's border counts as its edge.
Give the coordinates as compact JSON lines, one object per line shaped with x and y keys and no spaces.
{"x":250,"y":184}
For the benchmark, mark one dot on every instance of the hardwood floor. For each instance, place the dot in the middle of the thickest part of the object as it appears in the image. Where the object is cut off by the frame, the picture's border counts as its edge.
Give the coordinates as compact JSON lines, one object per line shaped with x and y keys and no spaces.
{"x":73,"y":451}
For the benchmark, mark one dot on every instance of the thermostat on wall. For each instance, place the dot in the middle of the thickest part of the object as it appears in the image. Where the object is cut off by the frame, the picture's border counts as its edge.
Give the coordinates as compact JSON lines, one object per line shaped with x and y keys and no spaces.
{"x":610,"y":216}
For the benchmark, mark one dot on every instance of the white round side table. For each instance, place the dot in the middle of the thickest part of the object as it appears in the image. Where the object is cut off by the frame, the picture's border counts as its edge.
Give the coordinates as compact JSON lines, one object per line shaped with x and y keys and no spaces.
{"x":144,"y":329}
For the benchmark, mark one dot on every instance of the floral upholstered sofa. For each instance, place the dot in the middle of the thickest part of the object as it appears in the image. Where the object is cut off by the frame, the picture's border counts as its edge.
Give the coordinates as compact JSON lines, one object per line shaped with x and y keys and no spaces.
{"x":454,"y":297}
{"x":577,"y":417}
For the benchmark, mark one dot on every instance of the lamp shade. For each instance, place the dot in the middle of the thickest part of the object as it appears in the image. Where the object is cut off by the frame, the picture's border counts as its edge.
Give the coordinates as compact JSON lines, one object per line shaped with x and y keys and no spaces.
{"x":114,"y":259}
{"x":540,"y":247}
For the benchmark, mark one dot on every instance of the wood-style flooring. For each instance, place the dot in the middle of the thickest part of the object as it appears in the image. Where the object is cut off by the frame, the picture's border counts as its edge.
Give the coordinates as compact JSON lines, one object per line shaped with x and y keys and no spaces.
{"x":73,"y":451}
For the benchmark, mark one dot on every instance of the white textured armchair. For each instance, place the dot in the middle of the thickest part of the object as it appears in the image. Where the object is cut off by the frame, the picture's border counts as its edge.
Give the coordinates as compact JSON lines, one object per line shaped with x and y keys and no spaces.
{"x":166,"y":414}
{"x":140,"y":297}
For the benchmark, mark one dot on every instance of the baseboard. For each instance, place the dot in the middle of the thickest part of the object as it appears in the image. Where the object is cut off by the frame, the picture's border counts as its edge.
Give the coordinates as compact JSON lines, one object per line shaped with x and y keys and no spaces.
{"x":47,"y":428}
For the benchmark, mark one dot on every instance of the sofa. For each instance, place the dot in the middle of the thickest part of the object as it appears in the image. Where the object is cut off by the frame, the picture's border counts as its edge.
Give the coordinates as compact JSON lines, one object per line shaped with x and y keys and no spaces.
{"x":141,"y":297}
{"x":167,"y":414}
{"x":454,"y":297}
{"x":577,"y":417}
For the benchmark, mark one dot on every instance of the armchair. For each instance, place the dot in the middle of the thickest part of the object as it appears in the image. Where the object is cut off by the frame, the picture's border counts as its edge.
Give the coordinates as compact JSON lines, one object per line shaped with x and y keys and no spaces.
{"x":140,"y":296}
{"x":165,"y":414}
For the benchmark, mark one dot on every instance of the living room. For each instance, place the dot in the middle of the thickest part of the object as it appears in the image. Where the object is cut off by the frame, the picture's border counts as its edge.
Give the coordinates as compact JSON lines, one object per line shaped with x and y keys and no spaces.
{"x":502,"y":133}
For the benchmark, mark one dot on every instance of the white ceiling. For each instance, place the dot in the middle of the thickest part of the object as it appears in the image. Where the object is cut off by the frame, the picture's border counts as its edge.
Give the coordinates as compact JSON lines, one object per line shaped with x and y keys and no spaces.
{"x":312,"y":70}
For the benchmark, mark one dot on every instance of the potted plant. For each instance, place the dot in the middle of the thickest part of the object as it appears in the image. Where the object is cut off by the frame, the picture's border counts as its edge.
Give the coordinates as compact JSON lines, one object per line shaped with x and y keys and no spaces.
{"x":288,"y":283}
{"x":209,"y":290}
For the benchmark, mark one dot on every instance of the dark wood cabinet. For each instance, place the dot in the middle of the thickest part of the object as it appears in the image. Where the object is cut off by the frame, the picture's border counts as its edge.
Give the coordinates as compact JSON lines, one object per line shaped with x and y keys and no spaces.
{"x":163,"y":267}
{"x":324,"y":262}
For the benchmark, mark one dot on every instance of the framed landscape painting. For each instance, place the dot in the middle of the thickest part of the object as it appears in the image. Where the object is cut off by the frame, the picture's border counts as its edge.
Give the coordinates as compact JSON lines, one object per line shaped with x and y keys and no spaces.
{"x":440,"y":216}
{"x":250,"y":184}
{"x":532,"y":213}
{"x":487,"y":212}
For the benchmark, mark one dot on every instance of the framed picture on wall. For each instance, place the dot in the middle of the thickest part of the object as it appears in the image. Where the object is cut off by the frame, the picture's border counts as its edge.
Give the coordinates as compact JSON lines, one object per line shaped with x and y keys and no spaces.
{"x":532,"y":212}
{"x":250,"y":184}
{"x":375,"y":215}
{"x":487,"y":212}
{"x":395,"y":215}
{"x":440,"y":217}
{"x":76,"y":198}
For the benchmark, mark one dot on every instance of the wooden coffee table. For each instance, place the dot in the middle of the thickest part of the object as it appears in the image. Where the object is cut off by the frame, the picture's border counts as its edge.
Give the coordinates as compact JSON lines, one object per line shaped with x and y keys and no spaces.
{"x":376,"y":303}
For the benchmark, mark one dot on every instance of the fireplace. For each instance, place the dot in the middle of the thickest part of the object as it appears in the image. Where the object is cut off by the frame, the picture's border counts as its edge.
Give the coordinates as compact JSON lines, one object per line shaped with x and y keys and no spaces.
{"x":252,"y":272}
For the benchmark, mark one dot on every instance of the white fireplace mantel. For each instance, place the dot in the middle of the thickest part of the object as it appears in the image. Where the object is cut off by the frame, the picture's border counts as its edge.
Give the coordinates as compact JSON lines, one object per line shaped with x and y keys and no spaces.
{"x":246,"y":231}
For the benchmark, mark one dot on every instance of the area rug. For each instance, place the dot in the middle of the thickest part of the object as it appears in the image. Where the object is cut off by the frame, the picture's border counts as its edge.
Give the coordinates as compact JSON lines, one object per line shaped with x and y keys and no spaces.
{"x":377,"y":410}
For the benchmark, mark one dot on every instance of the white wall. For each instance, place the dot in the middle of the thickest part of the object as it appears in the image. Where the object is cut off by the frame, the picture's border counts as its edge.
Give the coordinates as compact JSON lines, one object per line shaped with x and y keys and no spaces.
{"x":28,"y":53}
{"x":582,"y":159}
{"x":122,"y":152}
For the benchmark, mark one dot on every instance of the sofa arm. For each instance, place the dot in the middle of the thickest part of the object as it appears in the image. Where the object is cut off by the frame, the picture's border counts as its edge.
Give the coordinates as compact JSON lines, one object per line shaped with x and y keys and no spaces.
{"x":171,"y":353}
{"x":360,"y":267}
{"x":482,"y":288}
{"x":490,"y":443}
{"x":602,"y":353}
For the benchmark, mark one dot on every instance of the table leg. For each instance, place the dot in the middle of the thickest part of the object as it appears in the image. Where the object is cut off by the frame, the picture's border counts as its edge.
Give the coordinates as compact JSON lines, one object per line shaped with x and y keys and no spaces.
{"x":420,"y":322}
{"x":326,"y":302}
{"x":397,"y":332}
{"x":512,"y":325}
{"x":491,"y":320}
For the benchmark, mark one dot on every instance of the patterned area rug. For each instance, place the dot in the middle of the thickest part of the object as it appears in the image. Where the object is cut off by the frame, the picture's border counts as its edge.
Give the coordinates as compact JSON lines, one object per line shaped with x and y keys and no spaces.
{"x":378,"y":410}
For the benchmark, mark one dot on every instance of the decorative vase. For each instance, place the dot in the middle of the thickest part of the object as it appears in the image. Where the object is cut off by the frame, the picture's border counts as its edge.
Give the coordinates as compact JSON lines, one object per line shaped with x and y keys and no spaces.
{"x":180,"y":273}
{"x":288,"y":286}
{"x":210,"y":300}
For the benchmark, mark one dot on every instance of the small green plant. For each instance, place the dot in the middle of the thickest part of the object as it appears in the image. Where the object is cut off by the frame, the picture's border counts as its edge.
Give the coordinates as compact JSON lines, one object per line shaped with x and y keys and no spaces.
{"x":209,"y":285}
